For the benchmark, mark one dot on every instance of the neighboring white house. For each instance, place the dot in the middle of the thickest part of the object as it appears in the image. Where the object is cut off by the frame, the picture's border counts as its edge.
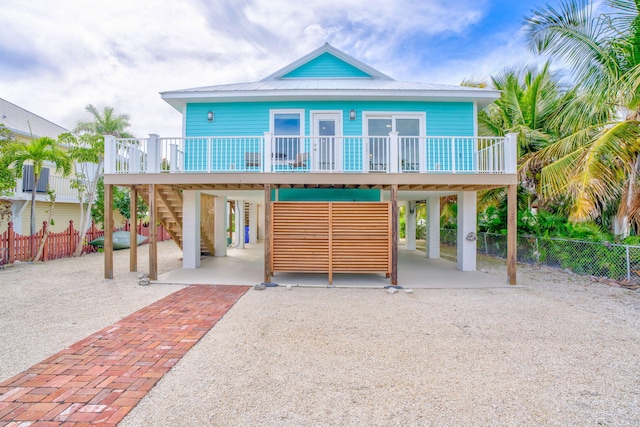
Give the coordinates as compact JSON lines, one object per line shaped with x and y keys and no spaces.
{"x":26,"y":125}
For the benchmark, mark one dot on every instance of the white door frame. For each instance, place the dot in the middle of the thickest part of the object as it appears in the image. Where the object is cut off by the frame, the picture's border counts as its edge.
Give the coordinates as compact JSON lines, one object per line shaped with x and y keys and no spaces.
{"x":317,"y":115}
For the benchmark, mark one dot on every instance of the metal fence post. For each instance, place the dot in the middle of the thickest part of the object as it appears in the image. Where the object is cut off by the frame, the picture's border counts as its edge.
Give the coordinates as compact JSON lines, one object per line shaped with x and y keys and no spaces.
{"x":628,"y":263}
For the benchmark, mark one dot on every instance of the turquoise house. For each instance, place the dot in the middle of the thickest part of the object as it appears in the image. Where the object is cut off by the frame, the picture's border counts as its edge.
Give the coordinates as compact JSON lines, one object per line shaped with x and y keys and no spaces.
{"x":315,"y":159}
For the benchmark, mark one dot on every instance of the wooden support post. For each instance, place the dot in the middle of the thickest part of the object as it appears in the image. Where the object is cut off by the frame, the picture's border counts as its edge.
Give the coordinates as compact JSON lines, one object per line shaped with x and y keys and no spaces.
{"x":72,"y":238}
{"x":267,"y":233}
{"x":394,"y":235}
{"x":330,"y":239}
{"x":12,"y":243}
{"x":108,"y":231}
{"x":153,"y":234}
{"x":133,"y":232}
{"x":512,"y":233}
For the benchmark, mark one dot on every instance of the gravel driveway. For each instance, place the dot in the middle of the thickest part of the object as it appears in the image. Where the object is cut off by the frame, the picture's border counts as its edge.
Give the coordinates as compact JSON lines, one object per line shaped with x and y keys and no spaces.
{"x":555,"y":350}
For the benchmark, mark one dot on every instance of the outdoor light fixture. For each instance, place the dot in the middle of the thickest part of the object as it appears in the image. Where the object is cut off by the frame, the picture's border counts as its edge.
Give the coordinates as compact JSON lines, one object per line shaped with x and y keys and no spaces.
{"x":352,"y":114}
{"x":210,"y":116}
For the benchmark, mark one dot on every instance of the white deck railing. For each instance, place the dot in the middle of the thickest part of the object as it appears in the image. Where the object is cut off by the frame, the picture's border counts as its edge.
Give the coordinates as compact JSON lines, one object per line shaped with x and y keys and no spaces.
{"x":346,"y":154}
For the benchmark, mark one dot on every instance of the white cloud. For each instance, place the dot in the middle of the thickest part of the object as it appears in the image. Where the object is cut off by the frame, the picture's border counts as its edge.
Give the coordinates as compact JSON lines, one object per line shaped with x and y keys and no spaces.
{"x":59,"y":55}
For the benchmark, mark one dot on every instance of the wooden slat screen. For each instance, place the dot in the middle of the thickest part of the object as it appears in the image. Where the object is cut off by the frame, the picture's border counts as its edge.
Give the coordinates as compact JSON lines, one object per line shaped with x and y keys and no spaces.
{"x":331,"y":237}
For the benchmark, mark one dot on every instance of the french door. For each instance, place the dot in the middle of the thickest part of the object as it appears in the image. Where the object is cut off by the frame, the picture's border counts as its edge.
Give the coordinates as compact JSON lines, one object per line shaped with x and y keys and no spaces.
{"x":410,"y":151}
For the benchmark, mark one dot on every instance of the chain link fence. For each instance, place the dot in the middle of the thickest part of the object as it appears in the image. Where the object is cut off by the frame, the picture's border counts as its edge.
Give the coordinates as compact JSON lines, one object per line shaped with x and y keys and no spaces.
{"x":600,"y":259}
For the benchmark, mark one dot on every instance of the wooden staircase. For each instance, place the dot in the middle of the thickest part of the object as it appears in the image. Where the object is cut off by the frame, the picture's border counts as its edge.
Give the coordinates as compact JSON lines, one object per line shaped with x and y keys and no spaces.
{"x":169,"y":214}
{"x":168,"y":209}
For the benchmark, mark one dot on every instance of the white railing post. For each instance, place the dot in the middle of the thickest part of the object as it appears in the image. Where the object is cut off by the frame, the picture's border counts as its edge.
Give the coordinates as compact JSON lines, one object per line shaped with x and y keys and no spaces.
{"x":134,"y":158}
{"x":110,"y":154}
{"x":267,"y":149}
{"x":511,"y":153}
{"x":365,"y":155}
{"x":153,"y":154}
{"x":393,"y":152}
{"x":453,"y":154}
{"x":173,"y":153}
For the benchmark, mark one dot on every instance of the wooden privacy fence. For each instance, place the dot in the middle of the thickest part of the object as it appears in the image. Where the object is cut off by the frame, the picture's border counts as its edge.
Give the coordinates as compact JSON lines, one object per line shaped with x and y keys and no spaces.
{"x":331,"y":238}
{"x":16,"y":247}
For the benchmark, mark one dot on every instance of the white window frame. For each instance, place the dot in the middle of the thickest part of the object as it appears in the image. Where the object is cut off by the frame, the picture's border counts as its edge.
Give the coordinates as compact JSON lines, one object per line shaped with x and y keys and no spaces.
{"x":272,"y":116}
{"x":393,"y":115}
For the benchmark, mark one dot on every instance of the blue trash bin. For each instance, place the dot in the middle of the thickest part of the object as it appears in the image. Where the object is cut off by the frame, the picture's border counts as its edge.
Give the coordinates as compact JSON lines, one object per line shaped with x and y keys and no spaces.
{"x":246,"y":234}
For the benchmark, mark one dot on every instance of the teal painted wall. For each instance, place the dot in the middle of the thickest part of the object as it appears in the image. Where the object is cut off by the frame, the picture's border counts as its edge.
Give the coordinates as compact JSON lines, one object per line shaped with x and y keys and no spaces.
{"x":327,"y":195}
{"x":252,"y":118}
{"x":326,"y":66}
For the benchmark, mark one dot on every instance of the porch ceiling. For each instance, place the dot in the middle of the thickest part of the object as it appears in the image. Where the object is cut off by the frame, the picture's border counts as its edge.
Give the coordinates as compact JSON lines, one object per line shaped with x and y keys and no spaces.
{"x":254,"y":181}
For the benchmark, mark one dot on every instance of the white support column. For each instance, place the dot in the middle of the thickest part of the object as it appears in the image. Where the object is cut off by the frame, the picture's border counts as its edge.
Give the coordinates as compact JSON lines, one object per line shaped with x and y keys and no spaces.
{"x":191,"y":229}
{"x":433,"y":218}
{"x":466,"y":242}
{"x":410,"y":225}
{"x":253,"y":223}
{"x":220,"y":232}
{"x":240,"y":223}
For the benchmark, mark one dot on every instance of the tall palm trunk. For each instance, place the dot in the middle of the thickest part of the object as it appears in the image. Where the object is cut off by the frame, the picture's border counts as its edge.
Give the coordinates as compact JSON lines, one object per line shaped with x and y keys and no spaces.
{"x":32,"y":227}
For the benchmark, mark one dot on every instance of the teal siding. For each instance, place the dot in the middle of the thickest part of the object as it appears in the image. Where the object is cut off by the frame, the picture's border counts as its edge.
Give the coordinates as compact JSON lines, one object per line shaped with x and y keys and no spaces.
{"x":328,"y":195}
{"x":325,"y":66}
{"x":252,"y":119}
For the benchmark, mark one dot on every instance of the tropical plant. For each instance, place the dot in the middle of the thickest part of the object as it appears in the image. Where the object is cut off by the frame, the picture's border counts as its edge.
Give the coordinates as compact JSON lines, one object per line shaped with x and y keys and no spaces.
{"x":106,"y":122}
{"x":531,"y":98}
{"x":88,"y":151}
{"x":36,"y":152}
{"x":595,"y":166}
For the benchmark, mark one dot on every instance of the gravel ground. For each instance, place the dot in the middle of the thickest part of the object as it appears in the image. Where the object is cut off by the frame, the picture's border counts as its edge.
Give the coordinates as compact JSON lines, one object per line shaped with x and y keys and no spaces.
{"x":555,"y":350}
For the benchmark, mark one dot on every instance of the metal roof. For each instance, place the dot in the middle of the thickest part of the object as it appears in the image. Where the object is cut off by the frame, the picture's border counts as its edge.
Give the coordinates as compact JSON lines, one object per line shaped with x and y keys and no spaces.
{"x":378,"y":87}
{"x":25,"y":123}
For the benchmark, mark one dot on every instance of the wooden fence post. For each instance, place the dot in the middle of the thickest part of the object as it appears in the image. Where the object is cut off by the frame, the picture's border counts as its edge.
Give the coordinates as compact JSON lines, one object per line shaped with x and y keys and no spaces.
{"x":12,"y":243}
{"x":45,"y":252}
{"x":72,"y":239}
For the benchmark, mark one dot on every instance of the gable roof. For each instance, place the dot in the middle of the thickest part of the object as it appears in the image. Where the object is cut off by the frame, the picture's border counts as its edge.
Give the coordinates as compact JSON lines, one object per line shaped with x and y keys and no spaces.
{"x":323,"y":53}
{"x":344,"y":78}
{"x":25,"y":123}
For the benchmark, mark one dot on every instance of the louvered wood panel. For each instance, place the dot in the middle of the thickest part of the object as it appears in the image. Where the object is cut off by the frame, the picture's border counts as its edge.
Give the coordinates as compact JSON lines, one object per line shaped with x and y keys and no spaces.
{"x":361,"y":237}
{"x":331,"y":237}
{"x":300,"y":237}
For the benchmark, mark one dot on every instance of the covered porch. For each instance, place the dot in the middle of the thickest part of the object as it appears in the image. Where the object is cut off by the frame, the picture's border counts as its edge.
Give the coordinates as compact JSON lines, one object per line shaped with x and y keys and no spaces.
{"x":393,"y":191}
{"x":245,"y":267}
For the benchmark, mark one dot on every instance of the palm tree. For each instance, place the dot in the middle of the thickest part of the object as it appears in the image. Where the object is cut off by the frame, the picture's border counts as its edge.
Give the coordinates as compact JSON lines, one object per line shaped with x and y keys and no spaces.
{"x":36,"y":152}
{"x":596,"y":164}
{"x":105,"y":123}
{"x":89,"y":149}
{"x":530,"y":100}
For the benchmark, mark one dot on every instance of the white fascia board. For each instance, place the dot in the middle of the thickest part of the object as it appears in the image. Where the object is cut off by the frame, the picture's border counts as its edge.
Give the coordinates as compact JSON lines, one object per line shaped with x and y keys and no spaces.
{"x":178,"y":100}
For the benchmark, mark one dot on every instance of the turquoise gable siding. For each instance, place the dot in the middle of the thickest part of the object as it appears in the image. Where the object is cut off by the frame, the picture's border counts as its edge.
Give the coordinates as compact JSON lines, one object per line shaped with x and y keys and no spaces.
{"x":325,"y":66}
{"x":252,"y":119}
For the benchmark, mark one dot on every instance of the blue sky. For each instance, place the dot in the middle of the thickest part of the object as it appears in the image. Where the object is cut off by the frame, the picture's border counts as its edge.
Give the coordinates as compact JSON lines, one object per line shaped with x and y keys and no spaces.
{"x":56,"y":56}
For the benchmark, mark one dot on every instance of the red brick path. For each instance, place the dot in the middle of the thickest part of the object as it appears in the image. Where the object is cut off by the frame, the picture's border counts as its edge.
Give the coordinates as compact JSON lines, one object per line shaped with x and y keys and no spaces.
{"x":98,"y":380}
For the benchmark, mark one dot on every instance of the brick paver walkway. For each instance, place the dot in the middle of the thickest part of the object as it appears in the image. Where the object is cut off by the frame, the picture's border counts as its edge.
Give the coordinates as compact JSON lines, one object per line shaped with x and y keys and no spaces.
{"x":98,"y":380}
